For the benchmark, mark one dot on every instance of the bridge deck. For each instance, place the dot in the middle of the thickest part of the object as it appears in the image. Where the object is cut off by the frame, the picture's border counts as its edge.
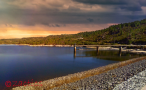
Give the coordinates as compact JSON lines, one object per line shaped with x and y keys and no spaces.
{"x":109,"y":45}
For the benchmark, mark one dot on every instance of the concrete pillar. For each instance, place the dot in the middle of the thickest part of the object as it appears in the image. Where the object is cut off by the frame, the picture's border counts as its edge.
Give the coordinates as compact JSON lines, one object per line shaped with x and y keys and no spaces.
{"x":120,"y":54}
{"x":97,"y":49}
{"x":120,"y":51}
{"x":74,"y":50}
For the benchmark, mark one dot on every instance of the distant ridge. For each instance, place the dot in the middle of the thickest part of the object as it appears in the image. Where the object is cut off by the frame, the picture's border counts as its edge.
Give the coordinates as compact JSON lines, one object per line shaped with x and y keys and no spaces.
{"x":125,"y":33}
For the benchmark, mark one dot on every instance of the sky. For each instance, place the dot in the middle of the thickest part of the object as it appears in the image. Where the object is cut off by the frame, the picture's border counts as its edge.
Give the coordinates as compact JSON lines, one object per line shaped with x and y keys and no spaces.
{"x":40,"y":18}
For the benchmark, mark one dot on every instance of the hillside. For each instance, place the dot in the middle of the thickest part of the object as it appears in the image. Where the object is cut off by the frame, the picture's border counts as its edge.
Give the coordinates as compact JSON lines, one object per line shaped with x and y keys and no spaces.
{"x":126,"y":33}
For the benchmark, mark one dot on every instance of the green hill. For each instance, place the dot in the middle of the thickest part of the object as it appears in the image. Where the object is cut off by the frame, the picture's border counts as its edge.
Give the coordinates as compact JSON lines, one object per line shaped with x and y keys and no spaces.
{"x":125,"y":33}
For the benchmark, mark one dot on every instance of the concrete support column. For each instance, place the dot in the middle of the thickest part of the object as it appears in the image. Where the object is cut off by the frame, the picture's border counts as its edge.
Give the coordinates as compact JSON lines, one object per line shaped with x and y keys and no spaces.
{"x":120,"y":51}
{"x":74,"y":50}
{"x":97,"y":49}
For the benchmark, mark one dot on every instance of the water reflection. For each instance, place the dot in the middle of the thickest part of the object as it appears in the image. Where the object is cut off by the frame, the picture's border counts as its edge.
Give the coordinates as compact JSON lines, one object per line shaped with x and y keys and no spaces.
{"x":108,"y":55}
{"x":22,"y":63}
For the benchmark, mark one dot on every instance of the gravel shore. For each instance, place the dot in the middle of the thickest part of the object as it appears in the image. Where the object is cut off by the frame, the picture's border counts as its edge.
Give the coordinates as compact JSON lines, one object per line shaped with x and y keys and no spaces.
{"x":101,"y":78}
{"x":135,"y":83}
{"x":106,"y":81}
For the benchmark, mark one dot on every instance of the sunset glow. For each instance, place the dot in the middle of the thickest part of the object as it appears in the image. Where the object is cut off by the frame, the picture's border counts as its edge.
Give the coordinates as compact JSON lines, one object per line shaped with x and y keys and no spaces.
{"x":40,"y":18}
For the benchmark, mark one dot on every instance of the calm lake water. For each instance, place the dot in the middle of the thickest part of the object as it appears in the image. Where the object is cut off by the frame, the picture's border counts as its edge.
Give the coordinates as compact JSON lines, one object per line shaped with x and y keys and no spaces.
{"x":23,"y":63}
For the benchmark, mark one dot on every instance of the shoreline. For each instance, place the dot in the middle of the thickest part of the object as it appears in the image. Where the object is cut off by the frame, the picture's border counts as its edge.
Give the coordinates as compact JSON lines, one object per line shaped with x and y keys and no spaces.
{"x":135,"y":51}
{"x":45,"y":45}
{"x":40,"y":45}
{"x":112,"y":79}
{"x":56,"y":82}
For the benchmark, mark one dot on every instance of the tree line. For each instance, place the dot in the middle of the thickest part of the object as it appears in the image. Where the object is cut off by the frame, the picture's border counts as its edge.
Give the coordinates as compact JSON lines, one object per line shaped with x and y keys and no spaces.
{"x":124,"y":33}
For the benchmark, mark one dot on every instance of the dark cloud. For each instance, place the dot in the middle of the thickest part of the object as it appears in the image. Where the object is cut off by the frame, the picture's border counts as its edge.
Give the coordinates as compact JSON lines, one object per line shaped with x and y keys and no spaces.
{"x":45,"y":23}
{"x":131,"y":8}
{"x":54,"y":17}
{"x":90,"y":20}
{"x":58,"y":19}
{"x":103,"y":2}
{"x":142,"y":2}
{"x":55,"y":25}
{"x":136,"y":17}
{"x":129,"y":5}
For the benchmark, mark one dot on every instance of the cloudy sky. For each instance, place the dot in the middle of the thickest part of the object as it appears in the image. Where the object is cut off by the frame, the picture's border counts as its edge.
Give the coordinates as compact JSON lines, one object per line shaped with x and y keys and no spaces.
{"x":31,"y":18}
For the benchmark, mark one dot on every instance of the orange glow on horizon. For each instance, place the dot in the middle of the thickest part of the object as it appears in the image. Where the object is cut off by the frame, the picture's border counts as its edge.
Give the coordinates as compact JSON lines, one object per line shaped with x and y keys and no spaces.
{"x":21,"y":31}
{"x":24,"y":34}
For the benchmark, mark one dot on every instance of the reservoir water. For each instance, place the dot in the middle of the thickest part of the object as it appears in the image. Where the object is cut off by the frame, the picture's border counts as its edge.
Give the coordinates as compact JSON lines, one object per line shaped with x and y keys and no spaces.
{"x":23,"y":63}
